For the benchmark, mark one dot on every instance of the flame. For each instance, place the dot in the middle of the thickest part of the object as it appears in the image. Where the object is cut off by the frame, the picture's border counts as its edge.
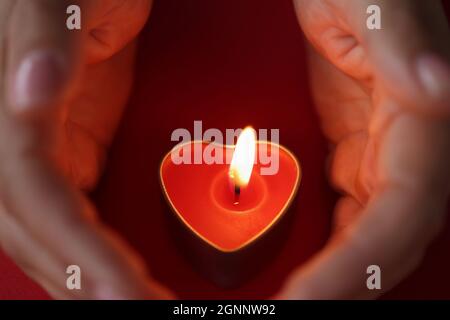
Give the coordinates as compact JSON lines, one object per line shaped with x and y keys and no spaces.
{"x":243,"y":158}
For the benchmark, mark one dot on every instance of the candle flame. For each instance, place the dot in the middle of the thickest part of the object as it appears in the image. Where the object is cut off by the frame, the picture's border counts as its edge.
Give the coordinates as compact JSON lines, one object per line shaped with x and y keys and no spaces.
{"x":243,"y":158}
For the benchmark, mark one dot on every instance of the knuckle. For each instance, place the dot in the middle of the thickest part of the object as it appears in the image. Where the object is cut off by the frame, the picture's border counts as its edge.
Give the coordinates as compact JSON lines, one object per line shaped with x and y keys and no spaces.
{"x":13,"y":251}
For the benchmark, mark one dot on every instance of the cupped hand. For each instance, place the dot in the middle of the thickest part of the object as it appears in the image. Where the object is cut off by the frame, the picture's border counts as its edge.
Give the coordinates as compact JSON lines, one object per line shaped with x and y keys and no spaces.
{"x":383,"y":98}
{"x":62,"y":95}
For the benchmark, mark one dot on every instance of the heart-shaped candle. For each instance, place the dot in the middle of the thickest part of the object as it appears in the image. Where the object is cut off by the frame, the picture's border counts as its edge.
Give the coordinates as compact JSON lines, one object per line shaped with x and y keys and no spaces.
{"x":230,"y":206}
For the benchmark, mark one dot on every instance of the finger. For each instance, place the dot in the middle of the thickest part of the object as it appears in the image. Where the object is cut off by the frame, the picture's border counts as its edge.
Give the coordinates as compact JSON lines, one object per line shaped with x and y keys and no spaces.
{"x":410,"y":55}
{"x":346,"y":108}
{"x":347,"y":212}
{"x":46,"y":267}
{"x":44,"y":58}
{"x":346,"y":166}
{"x":32,"y":257}
{"x":110,"y":28}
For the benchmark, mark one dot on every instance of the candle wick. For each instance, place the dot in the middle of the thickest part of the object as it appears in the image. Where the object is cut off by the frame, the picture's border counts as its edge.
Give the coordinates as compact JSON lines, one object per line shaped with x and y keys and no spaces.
{"x":237,"y":193}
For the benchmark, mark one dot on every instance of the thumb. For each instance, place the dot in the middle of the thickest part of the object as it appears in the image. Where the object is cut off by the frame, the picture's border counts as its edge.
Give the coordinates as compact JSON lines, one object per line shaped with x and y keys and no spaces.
{"x":43,"y":56}
{"x":411,"y":53}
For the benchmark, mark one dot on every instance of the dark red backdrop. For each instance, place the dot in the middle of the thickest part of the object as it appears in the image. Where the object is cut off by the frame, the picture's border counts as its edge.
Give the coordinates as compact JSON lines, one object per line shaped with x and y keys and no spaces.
{"x":228,"y":63}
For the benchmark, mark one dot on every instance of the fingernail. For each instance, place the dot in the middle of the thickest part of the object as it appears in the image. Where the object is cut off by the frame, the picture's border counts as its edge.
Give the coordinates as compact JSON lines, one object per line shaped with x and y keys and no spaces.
{"x":38,"y":80}
{"x":434,"y":73}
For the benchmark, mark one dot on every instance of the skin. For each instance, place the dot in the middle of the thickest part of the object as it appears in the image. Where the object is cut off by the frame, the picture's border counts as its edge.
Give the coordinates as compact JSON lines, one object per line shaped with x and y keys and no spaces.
{"x":389,"y":131}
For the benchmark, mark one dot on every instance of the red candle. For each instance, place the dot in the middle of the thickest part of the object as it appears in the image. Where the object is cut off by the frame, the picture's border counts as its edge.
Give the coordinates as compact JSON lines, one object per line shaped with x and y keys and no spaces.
{"x":227,"y":208}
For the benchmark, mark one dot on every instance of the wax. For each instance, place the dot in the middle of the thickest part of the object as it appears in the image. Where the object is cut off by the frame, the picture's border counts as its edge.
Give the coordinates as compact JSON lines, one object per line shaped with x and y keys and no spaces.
{"x":201,"y":199}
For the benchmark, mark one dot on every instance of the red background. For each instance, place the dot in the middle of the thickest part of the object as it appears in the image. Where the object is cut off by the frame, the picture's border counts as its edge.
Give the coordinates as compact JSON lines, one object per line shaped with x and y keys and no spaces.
{"x":230,"y":64}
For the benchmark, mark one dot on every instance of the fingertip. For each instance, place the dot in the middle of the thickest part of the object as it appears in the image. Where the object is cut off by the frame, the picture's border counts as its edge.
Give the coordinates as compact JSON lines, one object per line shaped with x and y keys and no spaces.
{"x":420,"y":84}
{"x":38,"y":81}
{"x":434,"y":76}
{"x":43,"y":57}
{"x":410,"y":57}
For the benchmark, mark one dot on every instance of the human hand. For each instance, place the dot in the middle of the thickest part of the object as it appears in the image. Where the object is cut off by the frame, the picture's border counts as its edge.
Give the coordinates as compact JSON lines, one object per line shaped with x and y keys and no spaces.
{"x":62,"y":95}
{"x":383,"y":98}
